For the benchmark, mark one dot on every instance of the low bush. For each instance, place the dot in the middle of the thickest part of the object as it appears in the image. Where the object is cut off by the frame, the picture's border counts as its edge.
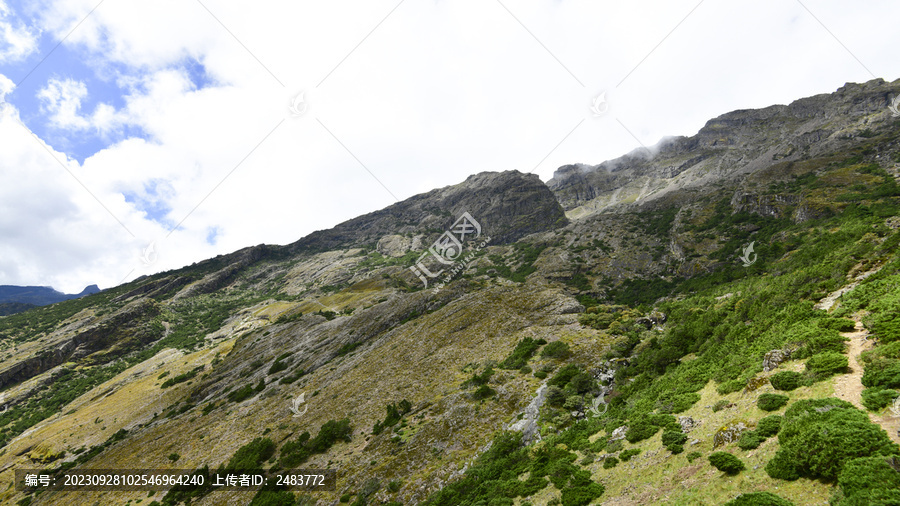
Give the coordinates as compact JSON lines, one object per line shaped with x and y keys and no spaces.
{"x":870,"y":480}
{"x":674,"y":441}
{"x":883,"y":373}
{"x":523,"y":351}
{"x":626,"y":455}
{"x":294,"y":453}
{"x":640,"y":430}
{"x":726,"y":462}
{"x":818,"y":436}
{"x":483,"y":392}
{"x":838,"y":324}
{"x":759,"y":499}
{"x":876,"y":399}
{"x":241,"y":394}
{"x":610,"y":462}
{"x":693,"y":456}
{"x":252,"y":454}
{"x":771,"y":402}
{"x":826,"y":364}
{"x":749,"y":440}
{"x":786,"y":380}
{"x":769,"y":426}
{"x":556,"y":350}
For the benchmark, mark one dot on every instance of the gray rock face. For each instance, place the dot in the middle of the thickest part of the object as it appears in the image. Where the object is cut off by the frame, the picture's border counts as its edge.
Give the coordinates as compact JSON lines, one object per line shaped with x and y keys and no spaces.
{"x":774,"y":358}
{"x":619,"y":433}
{"x":528,"y":424}
{"x":393,"y":245}
{"x":687,"y":423}
{"x":730,"y":147}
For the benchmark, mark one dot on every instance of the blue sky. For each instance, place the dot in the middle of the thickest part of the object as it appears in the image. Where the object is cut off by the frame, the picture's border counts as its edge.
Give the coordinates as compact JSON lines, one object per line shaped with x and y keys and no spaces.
{"x":170,"y":122}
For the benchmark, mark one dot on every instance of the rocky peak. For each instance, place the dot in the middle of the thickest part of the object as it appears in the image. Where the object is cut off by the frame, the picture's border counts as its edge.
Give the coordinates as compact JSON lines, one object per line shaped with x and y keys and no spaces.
{"x":508,"y":205}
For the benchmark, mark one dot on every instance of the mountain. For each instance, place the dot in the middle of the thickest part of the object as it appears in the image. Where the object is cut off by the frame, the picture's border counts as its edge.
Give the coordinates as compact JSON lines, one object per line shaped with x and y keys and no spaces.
{"x":711,"y":321}
{"x":39,"y":295}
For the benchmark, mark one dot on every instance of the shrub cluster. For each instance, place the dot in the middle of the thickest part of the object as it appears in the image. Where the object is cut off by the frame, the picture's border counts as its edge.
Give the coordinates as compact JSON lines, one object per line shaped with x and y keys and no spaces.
{"x":521,"y":354}
{"x":394,"y":415}
{"x":819,"y":436}
{"x":294,"y":453}
{"x":786,"y":380}
{"x":493,"y":479}
{"x":726,"y":462}
{"x":826,"y":364}
{"x":771,"y":402}
{"x":556,"y":350}
{"x":877,"y":398}
{"x":674,"y":441}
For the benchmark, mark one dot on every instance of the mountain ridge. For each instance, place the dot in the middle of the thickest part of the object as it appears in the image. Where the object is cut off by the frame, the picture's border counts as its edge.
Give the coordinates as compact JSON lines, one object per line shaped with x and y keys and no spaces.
{"x":626,"y":341}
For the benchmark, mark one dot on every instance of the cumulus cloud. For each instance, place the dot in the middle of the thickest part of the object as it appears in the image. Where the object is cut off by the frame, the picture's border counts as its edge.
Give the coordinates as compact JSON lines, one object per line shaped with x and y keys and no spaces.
{"x":16,"y":40}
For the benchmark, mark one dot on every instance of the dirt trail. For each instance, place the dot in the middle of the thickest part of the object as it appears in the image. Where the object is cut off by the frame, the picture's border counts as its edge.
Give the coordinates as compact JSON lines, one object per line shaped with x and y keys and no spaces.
{"x":849,"y":387}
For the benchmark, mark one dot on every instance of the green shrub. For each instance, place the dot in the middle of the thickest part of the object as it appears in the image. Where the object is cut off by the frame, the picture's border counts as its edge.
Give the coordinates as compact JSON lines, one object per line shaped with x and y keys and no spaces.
{"x":640,"y":430}
{"x":525,"y":369}
{"x":749,"y":440}
{"x":610,"y":462}
{"x":818,"y":436}
{"x":759,"y":499}
{"x":693,"y":456}
{"x":540,"y":374}
{"x":181,"y":378}
{"x":674,"y":441}
{"x":838,"y":324}
{"x":483,"y":392}
{"x":771,"y":402}
{"x":786,"y":380}
{"x":826,"y":364}
{"x":876,"y":399}
{"x":241,"y":394}
{"x":882,"y":373}
{"x":870,"y":480}
{"x":564,"y":375}
{"x":277,"y":366}
{"x":677,"y":403}
{"x":626,"y":455}
{"x":769,"y":426}
{"x":252,"y":454}
{"x":294,"y":453}
{"x":523,"y":351}
{"x":726,"y":462}
{"x":557,"y":350}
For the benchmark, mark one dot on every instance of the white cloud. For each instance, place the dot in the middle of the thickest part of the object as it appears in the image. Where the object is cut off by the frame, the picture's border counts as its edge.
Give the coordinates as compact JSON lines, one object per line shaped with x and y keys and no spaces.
{"x":438,"y":91}
{"x":16,"y":41}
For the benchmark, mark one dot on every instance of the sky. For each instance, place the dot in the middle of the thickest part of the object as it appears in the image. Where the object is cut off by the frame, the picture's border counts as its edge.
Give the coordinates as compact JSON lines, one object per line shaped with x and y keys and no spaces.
{"x":140,"y":136}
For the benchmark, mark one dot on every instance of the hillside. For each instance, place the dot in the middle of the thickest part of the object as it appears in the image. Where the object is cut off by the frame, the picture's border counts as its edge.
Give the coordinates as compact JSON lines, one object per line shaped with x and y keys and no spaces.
{"x":708,"y":322}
